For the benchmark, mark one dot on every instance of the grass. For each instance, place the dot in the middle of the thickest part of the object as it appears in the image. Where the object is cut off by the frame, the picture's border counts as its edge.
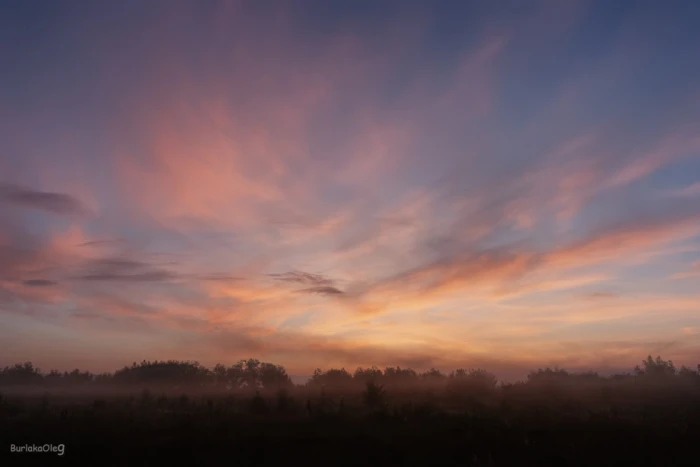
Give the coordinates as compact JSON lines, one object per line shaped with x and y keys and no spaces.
{"x":526,"y":424}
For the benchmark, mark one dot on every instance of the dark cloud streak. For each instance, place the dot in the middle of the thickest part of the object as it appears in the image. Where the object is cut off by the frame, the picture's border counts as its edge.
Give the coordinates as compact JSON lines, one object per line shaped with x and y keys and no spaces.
{"x":39,"y":283}
{"x":300,"y":277}
{"x":322,"y":290}
{"x":56,"y":203}
{"x":115,"y":269}
{"x":319,"y":284}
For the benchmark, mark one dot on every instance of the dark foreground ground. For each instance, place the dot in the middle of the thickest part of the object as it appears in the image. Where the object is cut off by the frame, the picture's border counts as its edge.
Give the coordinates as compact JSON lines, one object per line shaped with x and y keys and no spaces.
{"x":540,"y":430}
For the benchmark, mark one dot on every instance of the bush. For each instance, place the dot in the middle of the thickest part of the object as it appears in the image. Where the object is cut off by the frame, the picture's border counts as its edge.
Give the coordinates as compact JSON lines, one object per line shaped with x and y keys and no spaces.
{"x":374,"y":396}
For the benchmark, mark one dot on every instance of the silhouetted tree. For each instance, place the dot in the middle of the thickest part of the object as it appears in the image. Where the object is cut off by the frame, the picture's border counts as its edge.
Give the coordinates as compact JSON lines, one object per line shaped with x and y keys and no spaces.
{"x":399,"y":377}
{"x":77,"y":377}
{"x":273,"y":376}
{"x":248,"y":373}
{"x":365,"y":375}
{"x":689,"y":375}
{"x":656,"y":368}
{"x":220,"y":375}
{"x":53,"y":377}
{"x":548,"y":375}
{"x":252,"y":373}
{"x":258,"y":404}
{"x":472,"y":382}
{"x":285,"y":403}
{"x":374,"y":396}
{"x":332,"y":378}
{"x":433,"y":375}
{"x":21,"y":374}
{"x":172,"y":373}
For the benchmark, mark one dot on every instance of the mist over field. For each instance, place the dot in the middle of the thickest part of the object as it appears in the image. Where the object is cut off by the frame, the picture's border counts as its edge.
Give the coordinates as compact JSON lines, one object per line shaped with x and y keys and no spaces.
{"x":182,"y":410}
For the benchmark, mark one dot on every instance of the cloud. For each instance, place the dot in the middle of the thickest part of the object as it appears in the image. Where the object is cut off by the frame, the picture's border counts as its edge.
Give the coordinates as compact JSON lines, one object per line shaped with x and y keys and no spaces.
{"x":617,"y":240}
{"x":114,"y":305}
{"x":692,"y":271}
{"x":220,"y":278}
{"x":690,"y":191}
{"x":39,"y":283}
{"x":26,"y":254}
{"x":602,"y":295}
{"x":464,"y":269}
{"x":461,"y":194}
{"x":103,"y":243}
{"x":300,"y":277}
{"x":56,"y":203}
{"x":120,"y":269}
{"x":679,"y":144}
{"x":302,"y":353}
{"x":322,"y":290}
{"x":320,"y":284}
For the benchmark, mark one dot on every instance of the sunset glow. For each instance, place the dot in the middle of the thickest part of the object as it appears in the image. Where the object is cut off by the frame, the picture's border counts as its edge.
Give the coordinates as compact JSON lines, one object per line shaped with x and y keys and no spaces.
{"x":343,"y":184}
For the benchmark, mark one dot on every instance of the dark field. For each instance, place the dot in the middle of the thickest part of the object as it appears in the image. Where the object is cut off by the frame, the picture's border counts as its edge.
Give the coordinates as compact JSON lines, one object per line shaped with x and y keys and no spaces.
{"x":554,"y":418}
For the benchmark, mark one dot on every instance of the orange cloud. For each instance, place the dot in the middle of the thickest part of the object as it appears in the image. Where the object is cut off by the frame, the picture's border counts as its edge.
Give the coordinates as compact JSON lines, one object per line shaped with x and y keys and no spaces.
{"x":620,"y":240}
{"x":692,"y":271}
{"x":438,"y":227}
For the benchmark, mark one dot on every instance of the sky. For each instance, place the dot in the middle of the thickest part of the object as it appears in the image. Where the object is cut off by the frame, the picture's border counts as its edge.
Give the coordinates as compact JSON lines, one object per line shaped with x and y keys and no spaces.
{"x":495,"y":184}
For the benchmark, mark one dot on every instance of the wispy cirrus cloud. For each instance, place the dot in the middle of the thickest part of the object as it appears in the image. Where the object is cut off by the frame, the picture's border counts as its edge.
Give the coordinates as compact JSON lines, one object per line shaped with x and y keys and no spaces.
{"x":692,"y":271}
{"x":458,"y":175}
{"x":690,"y":191}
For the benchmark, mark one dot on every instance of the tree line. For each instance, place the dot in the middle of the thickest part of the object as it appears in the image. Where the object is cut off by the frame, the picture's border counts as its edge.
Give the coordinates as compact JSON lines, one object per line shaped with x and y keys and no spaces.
{"x":253,"y":373}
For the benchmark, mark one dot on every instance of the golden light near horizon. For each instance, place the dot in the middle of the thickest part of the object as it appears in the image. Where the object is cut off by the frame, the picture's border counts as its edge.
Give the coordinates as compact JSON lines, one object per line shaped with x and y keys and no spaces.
{"x":385,"y":187}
